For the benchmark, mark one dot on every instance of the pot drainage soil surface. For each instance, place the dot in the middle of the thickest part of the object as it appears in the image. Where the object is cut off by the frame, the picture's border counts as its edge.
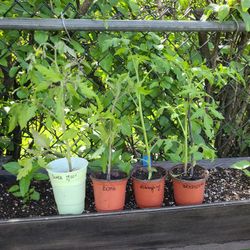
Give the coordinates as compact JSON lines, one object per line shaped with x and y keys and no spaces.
{"x":222,"y":185}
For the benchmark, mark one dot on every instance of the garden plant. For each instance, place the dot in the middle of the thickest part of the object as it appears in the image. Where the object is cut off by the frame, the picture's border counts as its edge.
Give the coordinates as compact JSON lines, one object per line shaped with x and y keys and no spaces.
{"x":108,"y":98}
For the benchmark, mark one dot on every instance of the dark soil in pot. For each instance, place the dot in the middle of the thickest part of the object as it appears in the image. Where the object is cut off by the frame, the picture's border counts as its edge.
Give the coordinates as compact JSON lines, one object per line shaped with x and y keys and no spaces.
{"x":115,"y":175}
{"x":198,"y":172}
{"x":222,"y":185}
{"x":142,"y":173}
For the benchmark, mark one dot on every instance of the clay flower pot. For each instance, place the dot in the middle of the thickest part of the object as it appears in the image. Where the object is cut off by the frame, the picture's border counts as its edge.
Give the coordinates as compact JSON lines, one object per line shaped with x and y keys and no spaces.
{"x":149,"y":193}
{"x":189,"y":191}
{"x":109,"y":195}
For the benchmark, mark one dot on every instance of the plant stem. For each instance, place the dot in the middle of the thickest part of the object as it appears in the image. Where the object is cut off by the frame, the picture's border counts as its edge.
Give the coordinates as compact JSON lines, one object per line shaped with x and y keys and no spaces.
{"x":191,"y":136}
{"x":145,"y":136}
{"x":112,"y":135}
{"x":142,"y":119}
{"x":68,"y":155}
{"x":185,"y":140}
{"x":110,"y":154}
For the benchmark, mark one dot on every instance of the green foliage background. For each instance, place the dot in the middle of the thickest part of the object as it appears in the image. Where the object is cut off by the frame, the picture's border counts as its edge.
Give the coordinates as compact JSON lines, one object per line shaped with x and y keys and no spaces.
{"x":28,"y":83}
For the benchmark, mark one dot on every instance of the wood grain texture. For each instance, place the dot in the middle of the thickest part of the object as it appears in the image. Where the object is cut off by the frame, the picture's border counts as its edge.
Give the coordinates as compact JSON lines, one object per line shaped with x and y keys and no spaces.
{"x":140,"y":229}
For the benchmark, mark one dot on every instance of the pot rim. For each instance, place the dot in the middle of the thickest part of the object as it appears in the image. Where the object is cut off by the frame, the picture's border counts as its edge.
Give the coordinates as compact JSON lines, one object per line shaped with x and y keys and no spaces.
{"x":188,"y":181}
{"x":49,"y":169}
{"x":148,"y":181}
{"x":105,"y":180}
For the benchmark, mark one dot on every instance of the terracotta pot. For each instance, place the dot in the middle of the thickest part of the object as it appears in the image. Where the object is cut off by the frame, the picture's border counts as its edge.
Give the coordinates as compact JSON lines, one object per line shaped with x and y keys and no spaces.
{"x":149,"y":193}
{"x":188,"y":192}
{"x":109,"y":195}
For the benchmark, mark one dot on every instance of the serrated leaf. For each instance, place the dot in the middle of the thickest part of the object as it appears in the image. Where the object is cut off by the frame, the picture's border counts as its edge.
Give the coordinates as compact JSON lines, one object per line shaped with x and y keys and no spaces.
{"x":50,"y":73}
{"x":167,"y":145}
{"x":40,"y":140}
{"x":69,"y":134}
{"x":125,"y":127}
{"x":27,"y":166}
{"x":42,"y":163}
{"x":216,"y":113}
{"x":12,"y":167}
{"x":85,"y":90}
{"x":27,"y":112}
{"x":41,"y":36}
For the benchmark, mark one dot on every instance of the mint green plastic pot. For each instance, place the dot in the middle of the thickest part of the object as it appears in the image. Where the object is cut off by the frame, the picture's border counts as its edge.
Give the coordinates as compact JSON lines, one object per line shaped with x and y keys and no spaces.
{"x":69,"y":188}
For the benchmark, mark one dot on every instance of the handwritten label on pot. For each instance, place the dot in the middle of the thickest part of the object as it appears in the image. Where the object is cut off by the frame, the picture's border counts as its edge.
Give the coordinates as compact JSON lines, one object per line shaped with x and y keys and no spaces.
{"x":151,"y":188}
{"x":108,"y":188}
{"x":56,"y":177}
{"x":192,"y":186}
{"x":70,"y":177}
{"x":65,"y":178}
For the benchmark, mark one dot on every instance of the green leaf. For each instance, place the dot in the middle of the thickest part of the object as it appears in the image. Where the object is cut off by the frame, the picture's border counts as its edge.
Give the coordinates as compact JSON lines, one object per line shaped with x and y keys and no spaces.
{"x":125,"y":167}
{"x":24,"y":186}
{"x":245,"y":5}
{"x":59,"y":106}
{"x":246,"y":18}
{"x":160,"y":65}
{"x":77,"y":46}
{"x":85,"y":90}
{"x":3,"y":61}
{"x":125,"y":127}
{"x":216,"y":113}
{"x":41,"y":177}
{"x":184,"y":3}
{"x":241,"y":165}
{"x":27,"y":166}
{"x":27,"y":111}
{"x":246,"y":172}
{"x":13,"y":189}
{"x":35,"y":196}
{"x":69,"y":134}
{"x":12,"y":167}
{"x":13,"y":71}
{"x":72,"y":91}
{"x":17,"y":194}
{"x":40,"y":140}
{"x":12,"y":122}
{"x":50,"y":73}
{"x":167,"y":145}
{"x":41,"y":36}
{"x":106,"y":63}
{"x":143,"y":90}
{"x":223,"y":12}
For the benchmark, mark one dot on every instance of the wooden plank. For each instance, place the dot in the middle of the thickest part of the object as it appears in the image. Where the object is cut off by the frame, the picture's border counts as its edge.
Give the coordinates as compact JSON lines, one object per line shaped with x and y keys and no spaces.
{"x":140,"y":229}
{"x":136,"y":229}
{"x":118,"y":25}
